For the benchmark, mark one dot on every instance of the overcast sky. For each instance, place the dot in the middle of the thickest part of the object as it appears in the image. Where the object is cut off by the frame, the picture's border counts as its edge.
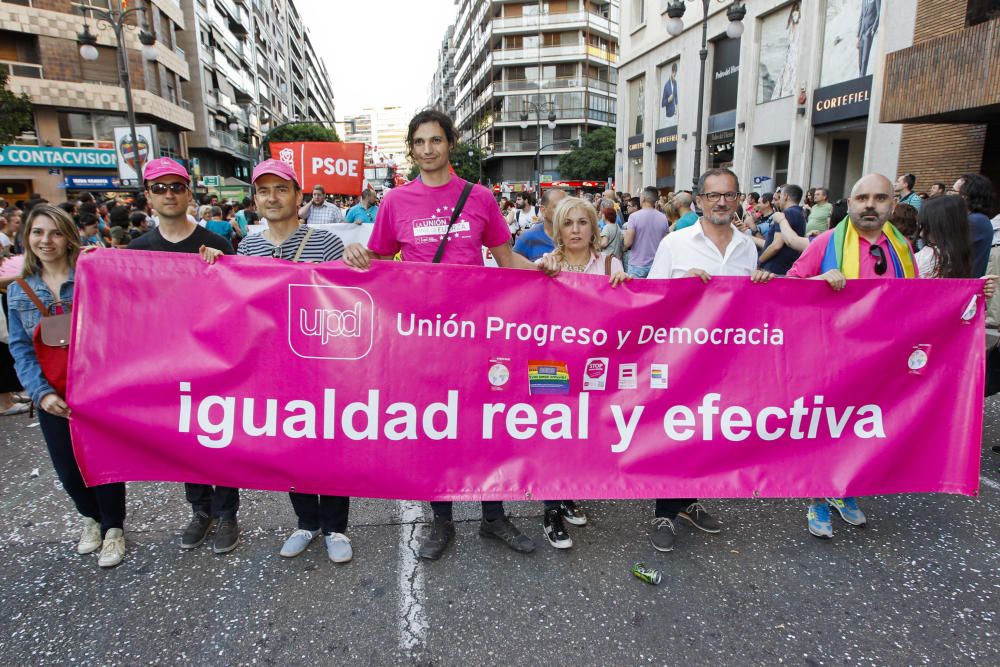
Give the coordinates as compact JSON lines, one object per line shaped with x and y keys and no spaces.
{"x":378,"y":52}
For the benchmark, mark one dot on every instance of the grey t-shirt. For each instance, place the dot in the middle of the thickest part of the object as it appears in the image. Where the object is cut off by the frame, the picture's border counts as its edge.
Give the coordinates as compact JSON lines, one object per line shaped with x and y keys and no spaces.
{"x":616,"y":240}
{"x":650,"y":227}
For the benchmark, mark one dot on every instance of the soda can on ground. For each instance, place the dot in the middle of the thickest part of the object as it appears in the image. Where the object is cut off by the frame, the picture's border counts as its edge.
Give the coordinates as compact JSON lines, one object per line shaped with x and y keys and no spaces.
{"x":647,"y":574}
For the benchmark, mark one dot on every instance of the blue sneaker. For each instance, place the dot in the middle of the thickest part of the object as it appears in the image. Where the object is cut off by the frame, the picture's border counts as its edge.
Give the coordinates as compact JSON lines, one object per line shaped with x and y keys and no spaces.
{"x":849,"y":510}
{"x":819,"y":520}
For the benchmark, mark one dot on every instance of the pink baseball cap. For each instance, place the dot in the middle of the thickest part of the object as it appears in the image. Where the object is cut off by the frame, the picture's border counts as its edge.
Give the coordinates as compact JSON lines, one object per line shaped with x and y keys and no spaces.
{"x":275,"y":168}
{"x":164,"y":166}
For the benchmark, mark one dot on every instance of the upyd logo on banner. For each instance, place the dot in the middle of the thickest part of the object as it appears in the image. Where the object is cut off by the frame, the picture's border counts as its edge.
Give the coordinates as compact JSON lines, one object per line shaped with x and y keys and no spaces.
{"x":338,"y":167}
{"x":472,"y":383}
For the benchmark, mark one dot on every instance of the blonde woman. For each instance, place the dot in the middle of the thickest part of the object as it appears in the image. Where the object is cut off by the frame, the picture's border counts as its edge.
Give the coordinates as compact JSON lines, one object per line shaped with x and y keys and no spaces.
{"x":578,"y":250}
{"x":51,"y":247}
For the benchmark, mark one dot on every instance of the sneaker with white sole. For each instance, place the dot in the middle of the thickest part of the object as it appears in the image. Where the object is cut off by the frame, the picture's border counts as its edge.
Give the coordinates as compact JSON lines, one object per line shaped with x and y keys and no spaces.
{"x":819,"y":520}
{"x":113,"y":549}
{"x":555,"y":531}
{"x":297,"y":542}
{"x":848,"y":510}
{"x":338,"y":547}
{"x":90,"y":537}
{"x":573,"y":514}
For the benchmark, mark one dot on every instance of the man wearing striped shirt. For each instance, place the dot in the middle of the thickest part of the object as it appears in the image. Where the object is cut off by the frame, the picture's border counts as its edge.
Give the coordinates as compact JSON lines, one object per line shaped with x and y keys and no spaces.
{"x":278,"y":196}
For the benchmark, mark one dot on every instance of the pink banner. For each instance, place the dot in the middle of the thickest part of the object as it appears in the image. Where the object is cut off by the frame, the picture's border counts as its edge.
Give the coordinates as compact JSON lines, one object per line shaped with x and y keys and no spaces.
{"x":448,"y":382}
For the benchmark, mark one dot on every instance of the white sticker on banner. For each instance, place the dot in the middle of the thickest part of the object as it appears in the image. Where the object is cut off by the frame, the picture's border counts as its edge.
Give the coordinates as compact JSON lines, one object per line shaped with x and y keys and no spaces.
{"x":658,"y":376}
{"x":628,"y":376}
{"x":595,"y":375}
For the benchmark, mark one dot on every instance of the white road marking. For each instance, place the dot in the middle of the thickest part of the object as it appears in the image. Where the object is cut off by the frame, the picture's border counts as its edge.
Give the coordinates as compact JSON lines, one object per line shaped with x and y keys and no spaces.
{"x":990,"y":483}
{"x":412,"y":619}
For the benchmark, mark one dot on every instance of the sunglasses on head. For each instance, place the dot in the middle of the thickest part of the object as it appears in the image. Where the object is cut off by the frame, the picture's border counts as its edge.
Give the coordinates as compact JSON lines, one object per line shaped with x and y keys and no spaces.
{"x":881,"y":263}
{"x":161,"y":188}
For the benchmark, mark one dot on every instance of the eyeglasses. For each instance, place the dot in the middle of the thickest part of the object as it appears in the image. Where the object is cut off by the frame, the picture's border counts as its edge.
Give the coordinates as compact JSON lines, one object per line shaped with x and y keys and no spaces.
{"x":715,"y":196}
{"x":880,"y":261}
{"x":161,"y":188}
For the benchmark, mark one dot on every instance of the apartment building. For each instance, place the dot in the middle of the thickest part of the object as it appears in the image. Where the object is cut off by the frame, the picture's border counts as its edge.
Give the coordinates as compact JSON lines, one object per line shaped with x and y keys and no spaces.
{"x":530,"y":79}
{"x":383,"y":131}
{"x":442,"y":91}
{"x":253,"y":68}
{"x":77,"y":103}
{"x":794,"y":98}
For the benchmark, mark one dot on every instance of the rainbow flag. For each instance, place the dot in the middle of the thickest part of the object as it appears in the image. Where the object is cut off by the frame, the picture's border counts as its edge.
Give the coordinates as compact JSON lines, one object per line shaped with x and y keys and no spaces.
{"x":548,"y":378}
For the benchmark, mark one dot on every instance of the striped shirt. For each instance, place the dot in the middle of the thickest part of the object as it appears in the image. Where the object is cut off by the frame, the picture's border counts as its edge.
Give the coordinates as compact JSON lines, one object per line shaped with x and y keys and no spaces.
{"x":323,"y":246}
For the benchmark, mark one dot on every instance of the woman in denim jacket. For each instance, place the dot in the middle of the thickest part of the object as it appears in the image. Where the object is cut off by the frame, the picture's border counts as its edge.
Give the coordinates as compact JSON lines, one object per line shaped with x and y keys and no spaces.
{"x":51,"y":247}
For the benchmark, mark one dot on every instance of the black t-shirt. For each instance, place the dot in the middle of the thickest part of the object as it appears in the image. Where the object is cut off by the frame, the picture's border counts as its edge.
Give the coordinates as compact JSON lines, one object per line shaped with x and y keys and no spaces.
{"x":153,"y":240}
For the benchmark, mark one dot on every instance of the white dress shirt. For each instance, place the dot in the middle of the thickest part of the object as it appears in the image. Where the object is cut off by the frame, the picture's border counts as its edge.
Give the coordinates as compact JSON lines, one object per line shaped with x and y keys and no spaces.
{"x":679,"y":252}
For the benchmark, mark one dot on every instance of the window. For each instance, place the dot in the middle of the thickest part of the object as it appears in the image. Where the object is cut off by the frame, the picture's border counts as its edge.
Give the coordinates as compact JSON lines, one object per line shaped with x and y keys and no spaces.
{"x":638,"y":13}
{"x":88,"y":130}
{"x":562,"y":133}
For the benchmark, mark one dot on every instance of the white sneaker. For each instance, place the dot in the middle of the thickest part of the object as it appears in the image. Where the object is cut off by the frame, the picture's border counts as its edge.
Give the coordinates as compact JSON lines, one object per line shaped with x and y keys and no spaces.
{"x":113,"y":550}
{"x":90,"y":538}
{"x":297,"y":542}
{"x":338,"y":547}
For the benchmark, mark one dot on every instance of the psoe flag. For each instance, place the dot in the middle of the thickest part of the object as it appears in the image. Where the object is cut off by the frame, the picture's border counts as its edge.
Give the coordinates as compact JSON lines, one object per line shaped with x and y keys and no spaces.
{"x":338,"y":167}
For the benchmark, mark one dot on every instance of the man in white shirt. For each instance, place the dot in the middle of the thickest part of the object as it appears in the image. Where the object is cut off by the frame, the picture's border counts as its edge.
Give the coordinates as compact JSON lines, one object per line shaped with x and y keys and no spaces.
{"x":710,"y":247}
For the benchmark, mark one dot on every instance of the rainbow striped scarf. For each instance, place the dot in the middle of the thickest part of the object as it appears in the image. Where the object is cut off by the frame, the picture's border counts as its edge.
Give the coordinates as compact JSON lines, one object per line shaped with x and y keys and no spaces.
{"x":843,"y":251}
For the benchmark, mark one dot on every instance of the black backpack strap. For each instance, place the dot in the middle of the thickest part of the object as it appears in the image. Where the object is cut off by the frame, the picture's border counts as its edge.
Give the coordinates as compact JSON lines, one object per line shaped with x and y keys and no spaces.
{"x":454,"y":216}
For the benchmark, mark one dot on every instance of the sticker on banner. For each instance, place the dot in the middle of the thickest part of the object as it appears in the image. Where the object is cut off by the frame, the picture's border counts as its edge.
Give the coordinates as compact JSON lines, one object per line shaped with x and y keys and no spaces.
{"x":628,"y":376}
{"x":658,"y":376}
{"x":918,"y":358}
{"x":548,"y":378}
{"x":499,"y":373}
{"x":970,"y":310}
{"x":595,"y":375}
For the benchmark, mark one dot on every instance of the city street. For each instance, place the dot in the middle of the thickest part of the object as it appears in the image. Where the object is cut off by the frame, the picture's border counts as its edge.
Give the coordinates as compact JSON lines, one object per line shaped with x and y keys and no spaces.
{"x":918,"y":586}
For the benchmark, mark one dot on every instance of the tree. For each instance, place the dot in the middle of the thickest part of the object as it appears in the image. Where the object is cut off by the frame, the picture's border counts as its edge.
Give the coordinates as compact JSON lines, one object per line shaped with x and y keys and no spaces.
{"x":15,"y":112}
{"x":594,"y":160}
{"x":467,"y":168}
{"x":300,"y":132}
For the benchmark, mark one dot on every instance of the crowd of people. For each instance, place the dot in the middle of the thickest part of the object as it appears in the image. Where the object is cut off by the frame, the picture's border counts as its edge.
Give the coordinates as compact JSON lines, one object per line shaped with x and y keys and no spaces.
{"x":881,"y":230}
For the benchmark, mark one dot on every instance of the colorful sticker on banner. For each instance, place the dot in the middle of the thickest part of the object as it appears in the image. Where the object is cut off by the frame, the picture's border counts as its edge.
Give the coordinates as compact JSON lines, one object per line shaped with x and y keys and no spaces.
{"x":628,"y":376}
{"x":547,"y":378}
{"x":971,"y":309}
{"x":919,"y":357}
{"x":595,"y":375}
{"x":658,"y":376}
{"x":498,"y":373}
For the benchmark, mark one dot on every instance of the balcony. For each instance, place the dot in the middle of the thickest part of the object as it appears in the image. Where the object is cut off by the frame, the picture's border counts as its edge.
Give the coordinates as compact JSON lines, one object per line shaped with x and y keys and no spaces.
{"x":519,"y":85}
{"x":28,"y":70}
{"x":532,"y":146}
{"x":228,"y":141}
{"x":575,"y":115}
{"x":529,"y":55}
{"x":589,"y":20}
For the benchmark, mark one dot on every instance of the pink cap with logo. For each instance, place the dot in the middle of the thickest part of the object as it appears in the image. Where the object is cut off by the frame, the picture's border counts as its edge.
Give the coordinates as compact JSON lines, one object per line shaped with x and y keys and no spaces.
{"x":275,"y":168}
{"x":164,"y":166}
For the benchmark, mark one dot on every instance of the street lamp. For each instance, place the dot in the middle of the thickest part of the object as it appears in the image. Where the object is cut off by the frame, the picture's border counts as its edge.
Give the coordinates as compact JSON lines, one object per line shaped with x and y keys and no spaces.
{"x":675,"y":26}
{"x":116,"y":20}
{"x":537,"y":107}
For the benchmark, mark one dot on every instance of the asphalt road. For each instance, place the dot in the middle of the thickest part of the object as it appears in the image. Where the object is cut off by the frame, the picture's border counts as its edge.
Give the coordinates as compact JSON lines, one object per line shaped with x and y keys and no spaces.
{"x":920,"y":585}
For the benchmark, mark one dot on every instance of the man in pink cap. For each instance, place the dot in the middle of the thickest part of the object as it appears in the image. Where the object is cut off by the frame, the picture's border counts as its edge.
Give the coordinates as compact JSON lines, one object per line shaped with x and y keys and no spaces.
{"x":168,"y":190}
{"x":278,"y":198}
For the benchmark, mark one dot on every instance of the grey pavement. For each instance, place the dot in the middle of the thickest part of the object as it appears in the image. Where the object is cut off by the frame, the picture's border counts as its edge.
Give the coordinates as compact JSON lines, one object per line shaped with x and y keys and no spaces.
{"x":920,"y":585}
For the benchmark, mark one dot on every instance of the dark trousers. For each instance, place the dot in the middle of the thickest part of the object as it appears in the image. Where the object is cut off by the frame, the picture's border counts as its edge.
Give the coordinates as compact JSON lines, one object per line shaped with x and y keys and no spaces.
{"x":105,"y":503}
{"x":552,"y":504}
{"x":492,"y":509}
{"x":669,"y":507}
{"x":326,"y":513}
{"x":218,"y":502}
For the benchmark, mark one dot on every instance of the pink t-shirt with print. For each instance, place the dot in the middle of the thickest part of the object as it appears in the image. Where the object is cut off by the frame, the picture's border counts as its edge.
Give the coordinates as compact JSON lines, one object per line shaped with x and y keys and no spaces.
{"x":413,"y":218}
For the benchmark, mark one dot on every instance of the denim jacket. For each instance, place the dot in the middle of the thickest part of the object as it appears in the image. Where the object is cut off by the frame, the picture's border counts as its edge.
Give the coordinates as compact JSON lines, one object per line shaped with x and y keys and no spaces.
{"x":22,"y":318}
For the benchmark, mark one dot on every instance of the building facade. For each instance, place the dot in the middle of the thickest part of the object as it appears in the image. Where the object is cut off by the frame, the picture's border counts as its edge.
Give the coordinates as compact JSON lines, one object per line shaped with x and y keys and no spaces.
{"x":945,"y":89}
{"x":794,"y":99}
{"x":77,"y":103}
{"x":530,"y":79}
{"x":253,"y":68}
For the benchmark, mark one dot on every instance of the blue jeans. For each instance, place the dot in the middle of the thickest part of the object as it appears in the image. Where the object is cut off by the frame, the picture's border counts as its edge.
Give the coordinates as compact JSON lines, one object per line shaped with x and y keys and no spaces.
{"x":638,"y":271}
